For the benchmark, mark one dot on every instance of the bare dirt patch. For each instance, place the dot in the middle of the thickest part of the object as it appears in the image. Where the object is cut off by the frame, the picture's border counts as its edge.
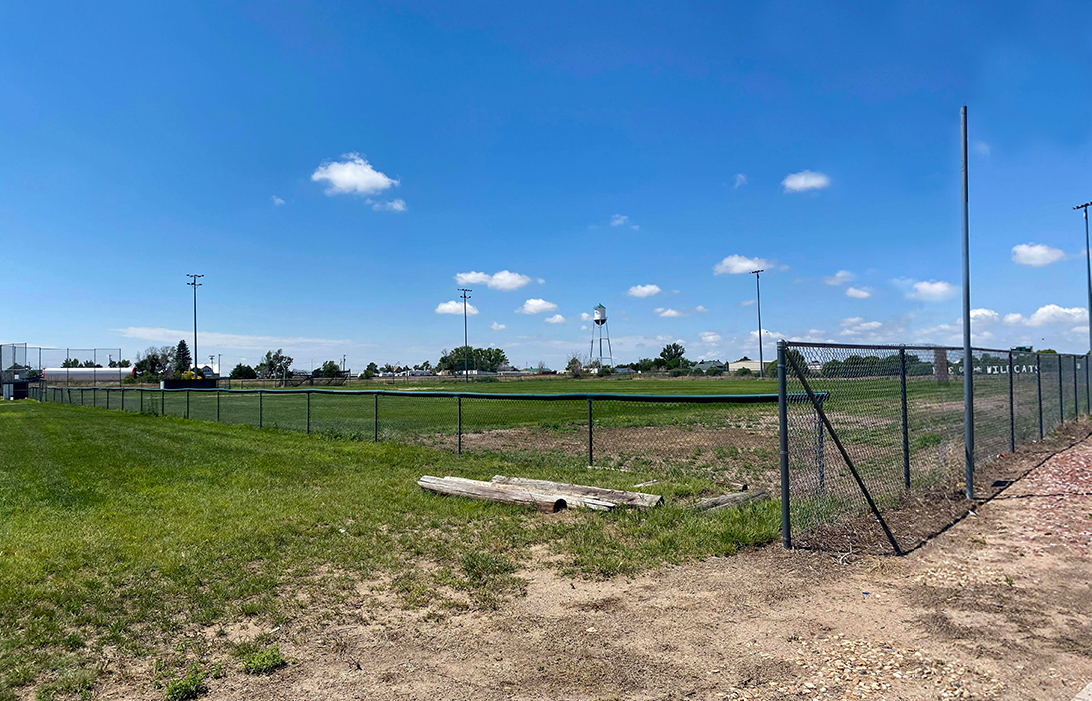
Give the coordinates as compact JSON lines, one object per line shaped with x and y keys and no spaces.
{"x":996,"y":607}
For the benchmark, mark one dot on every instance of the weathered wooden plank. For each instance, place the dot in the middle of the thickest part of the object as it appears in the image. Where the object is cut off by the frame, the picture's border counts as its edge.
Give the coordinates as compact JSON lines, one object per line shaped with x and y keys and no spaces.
{"x":639,"y":500}
{"x":728,"y":501}
{"x":542,"y":500}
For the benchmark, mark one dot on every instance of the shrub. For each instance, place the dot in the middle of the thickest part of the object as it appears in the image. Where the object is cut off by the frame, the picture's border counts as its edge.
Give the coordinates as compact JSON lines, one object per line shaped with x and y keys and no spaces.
{"x":188,"y":687}
{"x":677,"y":372}
{"x":743,"y":372}
{"x":262,"y":660}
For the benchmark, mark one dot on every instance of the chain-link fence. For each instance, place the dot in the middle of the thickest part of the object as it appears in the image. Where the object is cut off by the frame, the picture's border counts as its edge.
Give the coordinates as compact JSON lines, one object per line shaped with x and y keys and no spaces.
{"x":875,"y":434}
{"x":726,"y":438}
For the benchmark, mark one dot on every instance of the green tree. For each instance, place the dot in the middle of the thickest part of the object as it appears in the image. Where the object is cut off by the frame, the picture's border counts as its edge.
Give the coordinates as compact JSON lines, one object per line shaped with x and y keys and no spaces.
{"x":182,"y":359}
{"x":243,"y":372}
{"x":329,"y":369}
{"x":275,"y":364}
{"x":70,"y":363}
{"x":90,"y":364}
{"x":672,"y":356}
{"x":483,"y":359}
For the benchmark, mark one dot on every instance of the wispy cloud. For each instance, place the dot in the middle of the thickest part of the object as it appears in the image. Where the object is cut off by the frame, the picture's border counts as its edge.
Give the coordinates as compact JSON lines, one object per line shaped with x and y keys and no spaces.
{"x":981,"y":148}
{"x":228,"y":340}
{"x":668,"y":313}
{"x":505,"y":280}
{"x":1036,"y":254}
{"x":536,"y":306}
{"x":643,"y":290}
{"x":277,"y":201}
{"x":741,"y":180}
{"x":619,"y":220}
{"x":555,"y":319}
{"x":352,"y":175}
{"x":497,"y":327}
{"x":839,"y":278}
{"x":455,"y":307}
{"x":857,"y":293}
{"x":736,"y":264}
{"x":747,"y":303}
{"x":398,"y":205}
{"x":805,"y":180}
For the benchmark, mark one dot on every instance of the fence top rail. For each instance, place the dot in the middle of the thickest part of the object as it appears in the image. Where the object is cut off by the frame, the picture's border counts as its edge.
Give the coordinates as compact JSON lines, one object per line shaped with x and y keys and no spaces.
{"x":881,"y":346}
{"x":648,"y":398}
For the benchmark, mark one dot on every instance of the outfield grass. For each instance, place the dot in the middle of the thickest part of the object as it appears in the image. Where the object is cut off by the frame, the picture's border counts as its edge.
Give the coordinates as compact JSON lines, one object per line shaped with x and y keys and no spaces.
{"x":126,"y":532}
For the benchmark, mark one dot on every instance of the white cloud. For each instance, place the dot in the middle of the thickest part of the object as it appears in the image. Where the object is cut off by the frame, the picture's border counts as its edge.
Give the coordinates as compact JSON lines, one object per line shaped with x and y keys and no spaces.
{"x":555,"y":319}
{"x":398,"y":205}
{"x":855,"y":326}
{"x":840,"y":277}
{"x":1036,"y":254}
{"x":352,"y":175}
{"x":931,"y":290}
{"x":497,"y":327}
{"x":736,"y":264}
{"x":857,"y":293}
{"x":741,"y":180}
{"x":668,"y":313}
{"x":536,"y":306}
{"x":984,"y":316}
{"x":505,"y":280}
{"x":635,"y":227}
{"x":700,"y":308}
{"x":584,"y":316}
{"x":277,"y":201}
{"x":583,"y":327}
{"x":710,"y":337}
{"x":643,"y":290}
{"x":1049,"y":315}
{"x":747,"y":303}
{"x":618,"y":220}
{"x":805,"y":180}
{"x":227,"y":340}
{"x":455,"y":307}
{"x":982,"y":148}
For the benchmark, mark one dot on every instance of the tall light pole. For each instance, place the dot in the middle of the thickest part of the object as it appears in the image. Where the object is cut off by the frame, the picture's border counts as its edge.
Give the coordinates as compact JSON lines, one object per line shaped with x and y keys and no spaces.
{"x":1088,"y":265}
{"x":758,"y":291}
{"x":194,"y":284}
{"x":466,"y":343}
{"x":968,"y":358}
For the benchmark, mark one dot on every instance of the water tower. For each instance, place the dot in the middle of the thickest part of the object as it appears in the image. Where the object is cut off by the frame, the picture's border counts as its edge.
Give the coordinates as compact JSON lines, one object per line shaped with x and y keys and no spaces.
{"x":599,"y":316}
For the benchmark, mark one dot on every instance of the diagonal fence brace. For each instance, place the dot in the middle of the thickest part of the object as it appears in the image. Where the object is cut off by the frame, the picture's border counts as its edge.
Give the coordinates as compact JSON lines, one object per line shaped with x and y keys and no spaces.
{"x":841,"y":449}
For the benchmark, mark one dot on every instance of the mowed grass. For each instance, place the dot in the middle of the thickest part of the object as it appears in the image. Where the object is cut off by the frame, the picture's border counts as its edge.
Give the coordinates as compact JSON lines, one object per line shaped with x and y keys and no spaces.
{"x":134,"y":536}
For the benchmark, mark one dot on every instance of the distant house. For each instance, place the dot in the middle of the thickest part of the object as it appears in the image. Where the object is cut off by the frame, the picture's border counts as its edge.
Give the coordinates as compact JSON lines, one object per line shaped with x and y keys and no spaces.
{"x":207,"y":371}
{"x":623,"y":371}
{"x":707,"y":365}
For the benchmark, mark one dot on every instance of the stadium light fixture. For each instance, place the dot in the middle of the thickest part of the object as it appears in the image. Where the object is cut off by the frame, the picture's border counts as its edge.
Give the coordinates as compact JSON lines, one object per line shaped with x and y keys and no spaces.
{"x":1088,"y":267}
{"x":758,"y":292}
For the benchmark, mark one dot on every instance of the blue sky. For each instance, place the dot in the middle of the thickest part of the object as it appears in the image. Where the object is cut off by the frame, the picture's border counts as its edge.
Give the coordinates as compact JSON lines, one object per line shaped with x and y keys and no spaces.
{"x":333,"y":170}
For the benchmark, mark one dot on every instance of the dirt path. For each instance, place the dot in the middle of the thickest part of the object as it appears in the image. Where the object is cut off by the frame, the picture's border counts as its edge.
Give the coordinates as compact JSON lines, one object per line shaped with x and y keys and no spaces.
{"x":998,"y":607}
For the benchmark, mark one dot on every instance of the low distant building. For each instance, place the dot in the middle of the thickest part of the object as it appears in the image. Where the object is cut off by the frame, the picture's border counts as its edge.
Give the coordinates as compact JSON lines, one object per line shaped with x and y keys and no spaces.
{"x":707,"y":365}
{"x":623,"y":371}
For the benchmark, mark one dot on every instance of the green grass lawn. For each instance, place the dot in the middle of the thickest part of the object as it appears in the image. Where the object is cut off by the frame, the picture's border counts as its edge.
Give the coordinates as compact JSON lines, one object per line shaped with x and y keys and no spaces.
{"x":126,"y":531}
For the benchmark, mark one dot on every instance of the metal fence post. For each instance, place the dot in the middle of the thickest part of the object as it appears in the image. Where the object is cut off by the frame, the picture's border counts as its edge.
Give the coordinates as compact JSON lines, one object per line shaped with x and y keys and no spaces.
{"x":459,"y":423}
{"x":259,"y":408}
{"x":1039,"y":388}
{"x":905,"y":421}
{"x":1061,"y":394}
{"x":162,"y":403}
{"x":141,"y":392}
{"x":375,"y":414}
{"x":308,"y":411}
{"x":590,"y":462}
{"x":187,"y":404}
{"x":1076,"y":405}
{"x":1012,"y":410}
{"x":783,"y":440}
{"x":107,"y":397}
{"x":217,"y":406}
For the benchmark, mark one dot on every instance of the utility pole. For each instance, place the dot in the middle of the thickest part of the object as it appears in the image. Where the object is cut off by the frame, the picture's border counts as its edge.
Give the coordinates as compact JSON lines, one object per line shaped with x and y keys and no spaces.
{"x":758,"y":289}
{"x":968,"y":357}
{"x":466,"y":343}
{"x":194,"y":284}
{"x":1088,"y":266}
